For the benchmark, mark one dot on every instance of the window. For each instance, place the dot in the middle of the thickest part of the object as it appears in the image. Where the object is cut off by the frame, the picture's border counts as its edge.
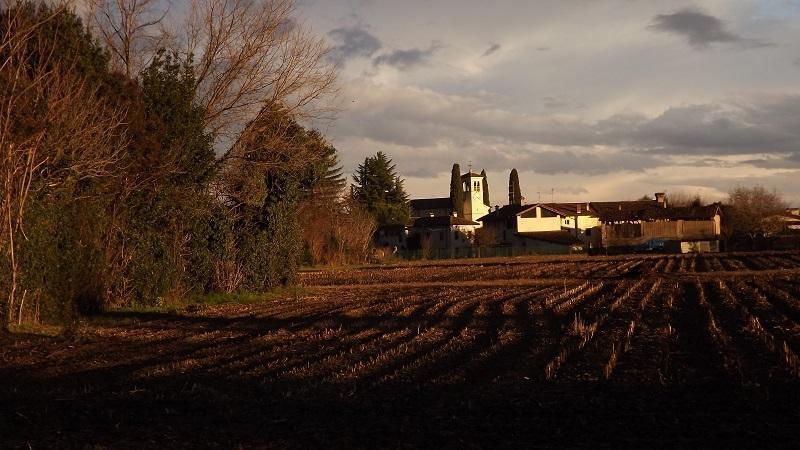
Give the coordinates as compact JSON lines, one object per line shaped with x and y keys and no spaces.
{"x":476,"y":186}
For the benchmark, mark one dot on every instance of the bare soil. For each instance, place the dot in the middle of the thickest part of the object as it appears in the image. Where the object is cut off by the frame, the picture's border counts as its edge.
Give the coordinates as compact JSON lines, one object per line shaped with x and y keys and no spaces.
{"x":637,"y":351}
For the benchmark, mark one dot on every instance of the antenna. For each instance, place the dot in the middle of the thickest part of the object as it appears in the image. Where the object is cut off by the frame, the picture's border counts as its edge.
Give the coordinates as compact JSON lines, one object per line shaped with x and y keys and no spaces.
{"x":552,"y":195}
{"x":470,"y":166}
{"x":539,"y":194}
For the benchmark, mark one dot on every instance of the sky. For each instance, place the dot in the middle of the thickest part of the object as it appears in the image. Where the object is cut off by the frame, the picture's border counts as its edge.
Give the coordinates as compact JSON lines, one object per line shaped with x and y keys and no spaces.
{"x":589,"y":100}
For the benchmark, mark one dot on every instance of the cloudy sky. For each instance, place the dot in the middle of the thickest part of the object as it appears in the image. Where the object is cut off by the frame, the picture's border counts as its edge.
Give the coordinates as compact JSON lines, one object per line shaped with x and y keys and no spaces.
{"x":589,"y":99}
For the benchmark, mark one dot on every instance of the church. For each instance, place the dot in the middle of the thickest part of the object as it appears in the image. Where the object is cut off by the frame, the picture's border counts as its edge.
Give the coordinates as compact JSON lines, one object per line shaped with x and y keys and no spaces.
{"x":475,"y":201}
{"x":436,"y":223}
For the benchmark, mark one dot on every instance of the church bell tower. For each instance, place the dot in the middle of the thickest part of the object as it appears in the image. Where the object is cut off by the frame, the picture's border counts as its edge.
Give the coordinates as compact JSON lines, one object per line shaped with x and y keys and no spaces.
{"x":474,"y":208}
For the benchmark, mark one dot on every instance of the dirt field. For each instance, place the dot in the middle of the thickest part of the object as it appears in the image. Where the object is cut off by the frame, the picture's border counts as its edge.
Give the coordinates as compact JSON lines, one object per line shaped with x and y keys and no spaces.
{"x":664,"y":351}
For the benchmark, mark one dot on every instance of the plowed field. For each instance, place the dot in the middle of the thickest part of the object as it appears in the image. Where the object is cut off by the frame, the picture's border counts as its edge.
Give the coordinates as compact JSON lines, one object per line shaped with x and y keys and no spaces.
{"x":675,"y":351}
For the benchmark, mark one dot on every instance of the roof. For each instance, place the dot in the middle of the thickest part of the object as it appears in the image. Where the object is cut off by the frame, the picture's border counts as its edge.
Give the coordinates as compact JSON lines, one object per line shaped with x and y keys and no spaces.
{"x":505,"y":212}
{"x":568,"y":209}
{"x":555,"y":237}
{"x":472,"y":174}
{"x":440,"y":222}
{"x":659,"y":213}
{"x":431,"y":203}
{"x":635,"y":205}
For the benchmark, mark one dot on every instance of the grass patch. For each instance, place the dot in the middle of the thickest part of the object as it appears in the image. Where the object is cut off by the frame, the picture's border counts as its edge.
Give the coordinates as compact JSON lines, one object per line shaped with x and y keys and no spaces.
{"x":189,"y":304}
{"x":36,"y":329}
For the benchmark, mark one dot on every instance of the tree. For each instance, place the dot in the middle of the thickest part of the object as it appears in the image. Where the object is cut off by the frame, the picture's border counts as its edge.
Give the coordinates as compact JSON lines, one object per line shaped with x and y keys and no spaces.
{"x":380,"y":191}
{"x":130,"y":29}
{"x":514,"y":193}
{"x":682,"y":198}
{"x":246,"y":54}
{"x":322,"y":182}
{"x":486,"y":200}
{"x":55,"y":130}
{"x":751,"y":211}
{"x":168,"y":88}
{"x":457,"y":191}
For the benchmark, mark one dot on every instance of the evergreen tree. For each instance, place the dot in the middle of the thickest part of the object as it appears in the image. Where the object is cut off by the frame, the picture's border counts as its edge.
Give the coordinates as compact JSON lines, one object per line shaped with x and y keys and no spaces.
{"x":514,"y":193}
{"x":323,"y":181}
{"x":380,"y":191}
{"x":168,"y":87}
{"x":486,"y":200}
{"x":457,"y":191}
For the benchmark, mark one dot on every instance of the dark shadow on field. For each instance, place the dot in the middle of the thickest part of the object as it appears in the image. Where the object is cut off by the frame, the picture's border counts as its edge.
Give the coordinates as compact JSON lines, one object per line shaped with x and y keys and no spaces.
{"x":136,"y":391}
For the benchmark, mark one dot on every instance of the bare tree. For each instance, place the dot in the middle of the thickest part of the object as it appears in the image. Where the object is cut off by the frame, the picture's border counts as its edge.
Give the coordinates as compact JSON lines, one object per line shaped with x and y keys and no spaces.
{"x":683,"y":198}
{"x":252,"y":53}
{"x":53,"y":128}
{"x":752,"y":211}
{"x":248,"y":55}
{"x":131,"y":29}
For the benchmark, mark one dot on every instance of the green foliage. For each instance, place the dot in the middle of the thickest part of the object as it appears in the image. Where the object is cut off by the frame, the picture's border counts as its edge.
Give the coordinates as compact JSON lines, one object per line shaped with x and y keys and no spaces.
{"x":322,"y":181}
{"x":380,"y":190}
{"x":161,"y":227}
{"x":271,"y":247}
{"x":168,"y":89}
{"x":72,"y":43}
{"x":486,"y":200}
{"x":456,"y":190}
{"x":514,"y":192}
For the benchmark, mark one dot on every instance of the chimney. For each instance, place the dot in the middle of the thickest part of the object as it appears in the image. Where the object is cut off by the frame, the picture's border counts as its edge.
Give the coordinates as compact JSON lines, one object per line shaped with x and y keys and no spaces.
{"x":661,"y":198}
{"x":496,"y":207}
{"x":455,"y":213}
{"x":578,"y":208}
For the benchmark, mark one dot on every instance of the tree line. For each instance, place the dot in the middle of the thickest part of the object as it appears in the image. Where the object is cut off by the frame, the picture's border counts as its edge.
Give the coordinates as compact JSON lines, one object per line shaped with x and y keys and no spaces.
{"x":142,"y":162}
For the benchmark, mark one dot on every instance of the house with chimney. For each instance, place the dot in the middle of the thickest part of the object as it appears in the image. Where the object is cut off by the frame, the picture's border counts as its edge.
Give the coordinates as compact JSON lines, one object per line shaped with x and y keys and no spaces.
{"x":549,"y":227}
{"x":631,"y":225}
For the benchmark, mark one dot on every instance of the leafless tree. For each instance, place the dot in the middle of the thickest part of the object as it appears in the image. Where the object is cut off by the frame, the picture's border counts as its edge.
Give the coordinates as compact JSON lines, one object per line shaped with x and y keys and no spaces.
{"x":252,"y":53}
{"x":752,"y":211}
{"x":131,"y":29}
{"x":53,"y":129}
{"x":683,"y":198}
{"x":247,"y":54}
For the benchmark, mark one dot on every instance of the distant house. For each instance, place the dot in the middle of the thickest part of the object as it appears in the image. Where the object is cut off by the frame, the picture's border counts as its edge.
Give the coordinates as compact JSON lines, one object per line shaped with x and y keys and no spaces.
{"x":552,"y":227}
{"x":431,"y":207}
{"x":390,"y":236}
{"x":440,"y":233}
{"x":790,"y":219}
{"x":626,"y":225}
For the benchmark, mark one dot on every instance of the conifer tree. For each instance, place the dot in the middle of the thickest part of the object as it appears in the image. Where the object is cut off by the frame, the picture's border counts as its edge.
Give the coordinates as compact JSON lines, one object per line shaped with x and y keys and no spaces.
{"x":514,"y":193}
{"x":456,"y":191}
{"x":486,"y":200}
{"x":380,"y":190}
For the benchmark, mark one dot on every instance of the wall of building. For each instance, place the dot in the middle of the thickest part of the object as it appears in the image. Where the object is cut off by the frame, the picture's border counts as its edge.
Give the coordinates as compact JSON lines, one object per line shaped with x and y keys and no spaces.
{"x":430,"y":212}
{"x":631,"y":234}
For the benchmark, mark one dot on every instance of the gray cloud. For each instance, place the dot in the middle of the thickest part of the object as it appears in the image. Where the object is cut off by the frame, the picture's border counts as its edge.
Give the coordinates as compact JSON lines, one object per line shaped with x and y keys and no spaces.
{"x":700,"y":29}
{"x":703,"y":135}
{"x":590,"y":163}
{"x":353,"y":42}
{"x":492,"y":49}
{"x":790,"y":161}
{"x":407,"y":59}
{"x":746,"y":126}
